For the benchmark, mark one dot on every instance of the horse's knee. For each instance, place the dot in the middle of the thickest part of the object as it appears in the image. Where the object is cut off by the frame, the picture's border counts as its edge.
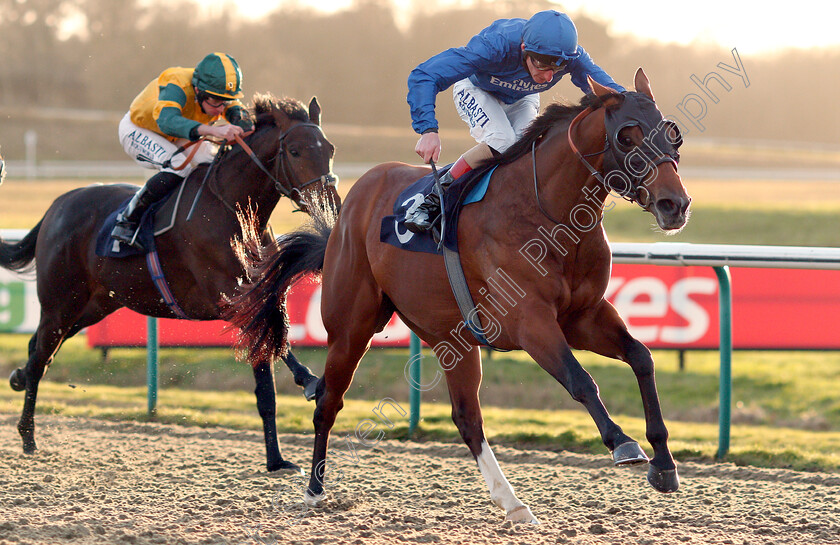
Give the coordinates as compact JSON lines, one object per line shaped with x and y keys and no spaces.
{"x":639,"y":358}
{"x":583,"y":393}
{"x":583,"y":388}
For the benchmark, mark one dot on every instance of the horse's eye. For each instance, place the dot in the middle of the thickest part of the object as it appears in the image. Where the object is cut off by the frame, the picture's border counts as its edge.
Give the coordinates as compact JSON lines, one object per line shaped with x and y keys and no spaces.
{"x":624,"y":138}
{"x":624,"y":141}
{"x":294,"y":153}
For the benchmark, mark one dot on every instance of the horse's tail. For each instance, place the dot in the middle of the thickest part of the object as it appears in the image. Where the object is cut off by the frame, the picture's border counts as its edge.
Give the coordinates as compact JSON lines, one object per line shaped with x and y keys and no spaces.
{"x":259,"y":307}
{"x":20,"y":256}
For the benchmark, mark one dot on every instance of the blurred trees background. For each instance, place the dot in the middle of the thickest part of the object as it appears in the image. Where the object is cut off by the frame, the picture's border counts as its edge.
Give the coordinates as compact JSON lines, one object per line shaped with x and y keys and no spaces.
{"x":62,"y":56}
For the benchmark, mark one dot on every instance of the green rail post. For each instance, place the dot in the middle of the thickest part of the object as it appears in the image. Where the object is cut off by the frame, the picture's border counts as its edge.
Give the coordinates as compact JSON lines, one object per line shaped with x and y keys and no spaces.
{"x":152,"y":363}
{"x":414,"y":392}
{"x":725,"y":311}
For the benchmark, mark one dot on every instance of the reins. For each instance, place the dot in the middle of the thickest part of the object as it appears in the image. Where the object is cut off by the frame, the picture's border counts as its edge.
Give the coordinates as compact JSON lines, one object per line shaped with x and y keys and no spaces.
{"x":182,"y":149}
{"x":579,"y":155}
{"x":589,"y":167}
{"x":328,"y":179}
{"x":633,"y":197}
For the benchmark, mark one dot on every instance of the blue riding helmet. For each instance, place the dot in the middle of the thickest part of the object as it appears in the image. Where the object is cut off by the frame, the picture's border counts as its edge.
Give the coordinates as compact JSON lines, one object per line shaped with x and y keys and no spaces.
{"x":551,"y":33}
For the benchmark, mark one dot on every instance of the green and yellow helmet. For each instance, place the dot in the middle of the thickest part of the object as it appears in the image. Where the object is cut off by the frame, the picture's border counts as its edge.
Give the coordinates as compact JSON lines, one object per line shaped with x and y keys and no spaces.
{"x":219,"y":75}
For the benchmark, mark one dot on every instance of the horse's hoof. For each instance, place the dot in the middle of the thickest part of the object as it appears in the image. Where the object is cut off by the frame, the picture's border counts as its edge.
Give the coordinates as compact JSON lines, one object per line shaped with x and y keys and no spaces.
{"x":521,"y":514}
{"x":312,"y":500}
{"x":663,"y":480}
{"x":311,"y":390}
{"x":29,"y":447}
{"x":629,"y":453}
{"x":17,"y":380}
{"x":285,"y":466}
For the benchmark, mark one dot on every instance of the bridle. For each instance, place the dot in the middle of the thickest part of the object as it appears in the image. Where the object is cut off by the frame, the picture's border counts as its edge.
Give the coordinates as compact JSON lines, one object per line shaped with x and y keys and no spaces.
{"x":280,"y":160}
{"x":618,"y":162}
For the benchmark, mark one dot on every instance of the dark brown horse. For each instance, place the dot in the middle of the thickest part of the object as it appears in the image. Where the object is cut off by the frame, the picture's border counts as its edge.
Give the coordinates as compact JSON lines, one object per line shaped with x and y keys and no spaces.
{"x":77,"y":288}
{"x":534,"y":254}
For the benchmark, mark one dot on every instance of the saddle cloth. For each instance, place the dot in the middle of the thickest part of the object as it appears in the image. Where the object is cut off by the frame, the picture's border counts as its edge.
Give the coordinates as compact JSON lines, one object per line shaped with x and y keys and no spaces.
{"x":469,"y":188}
{"x":159,"y":218}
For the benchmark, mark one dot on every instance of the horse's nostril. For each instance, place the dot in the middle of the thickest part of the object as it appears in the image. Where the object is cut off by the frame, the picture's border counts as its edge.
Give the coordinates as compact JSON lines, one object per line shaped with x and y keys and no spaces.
{"x":667,"y":207}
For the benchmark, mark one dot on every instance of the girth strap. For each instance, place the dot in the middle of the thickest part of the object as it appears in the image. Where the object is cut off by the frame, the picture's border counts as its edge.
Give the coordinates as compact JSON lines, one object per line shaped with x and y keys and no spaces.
{"x":156,"y":271}
{"x":457,"y":280}
{"x":461,"y":290}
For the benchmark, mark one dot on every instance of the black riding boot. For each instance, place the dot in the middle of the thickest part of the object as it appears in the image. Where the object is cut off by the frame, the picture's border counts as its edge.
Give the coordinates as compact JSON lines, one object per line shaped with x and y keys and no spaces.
{"x":157,"y":187}
{"x":426,"y":215}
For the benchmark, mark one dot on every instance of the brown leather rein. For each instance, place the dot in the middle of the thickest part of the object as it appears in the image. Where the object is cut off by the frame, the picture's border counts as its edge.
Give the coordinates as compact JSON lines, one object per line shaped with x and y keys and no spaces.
{"x":328,"y":179}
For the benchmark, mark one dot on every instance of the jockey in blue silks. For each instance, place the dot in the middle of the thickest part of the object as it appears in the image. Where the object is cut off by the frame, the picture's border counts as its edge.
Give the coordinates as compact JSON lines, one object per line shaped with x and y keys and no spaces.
{"x":496,"y":79}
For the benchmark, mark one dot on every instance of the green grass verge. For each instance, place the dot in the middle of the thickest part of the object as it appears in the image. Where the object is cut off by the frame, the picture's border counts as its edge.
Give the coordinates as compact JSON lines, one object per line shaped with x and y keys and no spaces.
{"x":736,"y":224}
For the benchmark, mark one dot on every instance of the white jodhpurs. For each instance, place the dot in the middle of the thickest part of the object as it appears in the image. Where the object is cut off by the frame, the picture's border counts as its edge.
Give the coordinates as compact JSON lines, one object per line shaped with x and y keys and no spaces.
{"x":492,"y":121}
{"x":150,"y":149}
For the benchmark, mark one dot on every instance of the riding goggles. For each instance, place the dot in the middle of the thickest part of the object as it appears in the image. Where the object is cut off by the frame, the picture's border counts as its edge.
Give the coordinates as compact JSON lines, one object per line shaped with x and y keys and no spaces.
{"x":547,"y":62}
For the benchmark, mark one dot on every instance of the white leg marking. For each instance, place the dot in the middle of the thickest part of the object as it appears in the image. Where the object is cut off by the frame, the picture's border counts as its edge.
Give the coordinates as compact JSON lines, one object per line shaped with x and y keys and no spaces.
{"x":500,"y":490}
{"x":313,"y":501}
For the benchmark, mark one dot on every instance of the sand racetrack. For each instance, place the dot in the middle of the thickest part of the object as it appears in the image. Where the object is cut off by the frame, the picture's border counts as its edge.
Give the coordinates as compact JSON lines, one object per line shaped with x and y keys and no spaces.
{"x":136,"y":483}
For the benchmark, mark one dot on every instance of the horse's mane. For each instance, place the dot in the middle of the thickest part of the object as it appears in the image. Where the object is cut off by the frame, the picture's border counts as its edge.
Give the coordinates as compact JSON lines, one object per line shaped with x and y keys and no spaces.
{"x":556,"y":114}
{"x":266,"y":104}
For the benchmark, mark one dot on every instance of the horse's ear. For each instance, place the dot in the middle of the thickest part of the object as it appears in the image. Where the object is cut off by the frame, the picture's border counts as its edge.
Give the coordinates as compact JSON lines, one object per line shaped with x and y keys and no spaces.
{"x":601,"y":90}
{"x":315,"y":111}
{"x":642,"y":83}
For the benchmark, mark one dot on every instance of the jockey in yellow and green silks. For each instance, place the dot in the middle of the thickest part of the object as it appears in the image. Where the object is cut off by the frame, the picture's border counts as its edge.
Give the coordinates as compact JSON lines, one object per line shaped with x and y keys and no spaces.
{"x":180,"y":105}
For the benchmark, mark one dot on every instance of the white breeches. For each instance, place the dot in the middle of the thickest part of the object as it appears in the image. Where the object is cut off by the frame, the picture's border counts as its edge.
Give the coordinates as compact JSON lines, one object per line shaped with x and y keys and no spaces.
{"x":150,"y":149}
{"x":492,"y":121}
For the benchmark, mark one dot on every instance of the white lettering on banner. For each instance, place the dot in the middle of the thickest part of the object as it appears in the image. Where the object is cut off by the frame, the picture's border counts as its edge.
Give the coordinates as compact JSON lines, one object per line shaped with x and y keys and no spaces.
{"x":649,"y":297}
{"x":314,"y":324}
{"x":686,"y":307}
{"x":297,"y":332}
{"x":517,"y":85}
{"x":314,"y":328}
{"x":396,"y":330}
{"x":630,"y":305}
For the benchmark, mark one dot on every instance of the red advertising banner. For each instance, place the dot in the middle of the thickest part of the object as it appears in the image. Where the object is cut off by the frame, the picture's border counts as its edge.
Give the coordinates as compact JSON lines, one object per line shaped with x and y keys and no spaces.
{"x":664,"y":307}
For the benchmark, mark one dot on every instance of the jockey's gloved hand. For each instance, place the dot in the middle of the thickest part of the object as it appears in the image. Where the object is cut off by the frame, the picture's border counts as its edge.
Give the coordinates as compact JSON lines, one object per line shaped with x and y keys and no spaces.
{"x":242,"y":118}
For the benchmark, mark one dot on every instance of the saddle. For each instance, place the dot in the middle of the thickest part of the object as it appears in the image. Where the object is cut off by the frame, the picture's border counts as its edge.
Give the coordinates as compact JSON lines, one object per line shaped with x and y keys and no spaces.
{"x":158,"y":219}
{"x":469,"y":188}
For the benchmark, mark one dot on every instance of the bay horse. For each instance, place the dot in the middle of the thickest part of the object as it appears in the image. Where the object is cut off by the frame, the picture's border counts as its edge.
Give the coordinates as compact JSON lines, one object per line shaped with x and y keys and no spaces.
{"x":539,"y":295}
{"x":77,"y":288}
